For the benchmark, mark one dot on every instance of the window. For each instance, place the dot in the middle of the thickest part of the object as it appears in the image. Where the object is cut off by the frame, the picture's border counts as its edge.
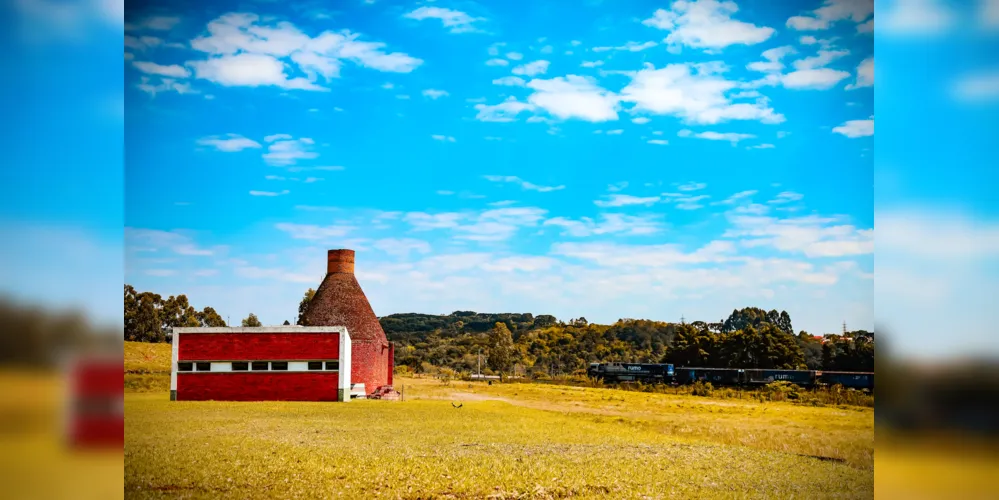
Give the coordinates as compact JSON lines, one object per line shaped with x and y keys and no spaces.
{"x":279,"y":365}
{"x":315,"y":365}
{"x":185,"y":367}
{"x":332,"y":365}
{"x":204,"y":367}
{"x":259,"y":366}
{"x":240,"y":366}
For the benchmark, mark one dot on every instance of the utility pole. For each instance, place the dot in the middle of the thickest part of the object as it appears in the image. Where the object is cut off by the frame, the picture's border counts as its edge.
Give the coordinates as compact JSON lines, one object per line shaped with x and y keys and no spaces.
{"x":844,"y":328}
{"x":480,"y":363}
{"x":683,"y":320}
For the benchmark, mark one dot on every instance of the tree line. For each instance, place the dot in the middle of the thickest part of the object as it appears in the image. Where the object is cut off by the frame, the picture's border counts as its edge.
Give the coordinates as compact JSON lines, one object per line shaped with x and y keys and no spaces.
{"x":529,"y":344}
{"x":149,"y":317}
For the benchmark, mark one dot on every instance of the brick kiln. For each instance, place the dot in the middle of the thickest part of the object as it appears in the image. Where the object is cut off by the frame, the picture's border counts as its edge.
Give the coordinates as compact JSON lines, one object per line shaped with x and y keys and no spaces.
{"x":340,"y":301}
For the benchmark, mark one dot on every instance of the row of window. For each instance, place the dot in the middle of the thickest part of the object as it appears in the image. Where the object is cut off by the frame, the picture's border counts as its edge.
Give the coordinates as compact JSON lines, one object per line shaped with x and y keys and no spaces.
{"x":256,"y":366}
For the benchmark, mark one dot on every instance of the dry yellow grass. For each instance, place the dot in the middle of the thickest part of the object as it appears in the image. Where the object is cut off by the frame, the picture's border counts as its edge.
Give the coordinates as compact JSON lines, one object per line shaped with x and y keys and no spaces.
{"x":507,"y":441}
{"x":34,"y":460}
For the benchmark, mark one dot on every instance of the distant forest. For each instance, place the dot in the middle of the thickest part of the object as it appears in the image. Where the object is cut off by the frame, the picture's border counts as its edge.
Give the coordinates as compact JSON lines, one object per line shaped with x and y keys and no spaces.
{"x":533,"y":345}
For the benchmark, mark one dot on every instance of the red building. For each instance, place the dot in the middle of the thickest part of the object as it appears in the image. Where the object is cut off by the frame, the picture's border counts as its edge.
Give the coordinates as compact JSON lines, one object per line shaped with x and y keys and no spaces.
{"x":95,"y":415}
{"x":279,"y":363}
{"x":339,"y":300}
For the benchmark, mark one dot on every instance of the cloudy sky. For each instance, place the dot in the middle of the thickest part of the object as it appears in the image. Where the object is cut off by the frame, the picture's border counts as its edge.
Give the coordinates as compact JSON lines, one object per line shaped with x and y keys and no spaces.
{"x":606,"y":160}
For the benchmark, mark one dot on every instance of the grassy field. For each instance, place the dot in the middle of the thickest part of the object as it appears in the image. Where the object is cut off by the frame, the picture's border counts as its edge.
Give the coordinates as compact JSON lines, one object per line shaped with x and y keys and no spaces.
{"x":506,"y":441}
{"x":34,"y":460}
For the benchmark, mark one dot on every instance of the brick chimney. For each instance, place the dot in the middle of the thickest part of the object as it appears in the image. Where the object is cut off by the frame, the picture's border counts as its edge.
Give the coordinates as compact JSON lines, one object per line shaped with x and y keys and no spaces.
{"x":340,"y":261}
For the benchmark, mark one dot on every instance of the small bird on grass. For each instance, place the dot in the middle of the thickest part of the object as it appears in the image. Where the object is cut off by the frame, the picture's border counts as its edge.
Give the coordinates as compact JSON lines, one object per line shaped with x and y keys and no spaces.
{"x":457,"y":406}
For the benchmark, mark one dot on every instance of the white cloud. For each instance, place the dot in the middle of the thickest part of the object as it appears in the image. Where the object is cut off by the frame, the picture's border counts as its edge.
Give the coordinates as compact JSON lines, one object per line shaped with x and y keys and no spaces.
{"x":164,"y":85}
{"x":812,"y":236}
{"x":457,"y":21}
{"x":229,"y":143}
{"x":547,"y":49}
{"x":523,"y":184}
{"x":761,"y":146}
{"x":313,"y":232}
{"x":591,"y":64}
{"x":623,"y":200}
{"x":512,"y":81}
{"x":773,"y":59}
{"x":692,"y":186}
{"x":630,"y":47}
{"x":243,"y":50}
{"x":856,"y":128}
{"x":153,"y":240}
{"x":249,"y":70}
{"x":494,"y":49}
{"x":615,"y":132}
{"x":443,"y":138}
{"x":732,"y":137}
{"x":574,"y":96}
{"x":151,"y":68}
{"x":155,"y":23}
{"x":532,"y":68}
{"x":818,"y":79}
{"x":658,"y":142}
{"x":505,"y":111}
{"x":706,"y":24}
{"x":865,"y":74}
{"x":402,"y":247}
{"x":916,"y":17}
{"x":833,"y":11}
{"x":694,"y":93}
{"x":980,"y":86}
{"x":277,"y":137}
{"x":514,"y":56}
{"x":497,"y":62}
{"x":269,"y":193}
{"x":284,"y":150}
{"x":787,"y":197}
{"x":737,"y":197}
{"x":641,"y":120}
{"x":435,"y":94}
{"x":617,"y":187}
{"x":618,"y":224}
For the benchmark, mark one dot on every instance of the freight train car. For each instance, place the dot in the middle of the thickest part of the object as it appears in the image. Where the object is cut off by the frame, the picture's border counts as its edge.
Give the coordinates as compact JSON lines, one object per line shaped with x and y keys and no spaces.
{"x":804,"y":378}
{"x":852,"y":380}
{"x":647,"y":373}
{"x":666,"y":373}
{"x":716,"y":376}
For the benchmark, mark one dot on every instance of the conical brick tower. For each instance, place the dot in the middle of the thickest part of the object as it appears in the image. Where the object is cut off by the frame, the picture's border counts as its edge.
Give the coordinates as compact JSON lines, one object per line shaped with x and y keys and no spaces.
{"x":339,"y":301}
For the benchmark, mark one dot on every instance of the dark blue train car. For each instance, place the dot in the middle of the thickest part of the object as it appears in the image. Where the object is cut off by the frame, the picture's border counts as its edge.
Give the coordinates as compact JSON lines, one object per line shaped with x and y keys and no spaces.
{"x":717,"y":376}
{"x":804,"y":378}
{"x":852,"y":380}
{"x":647,"y":373}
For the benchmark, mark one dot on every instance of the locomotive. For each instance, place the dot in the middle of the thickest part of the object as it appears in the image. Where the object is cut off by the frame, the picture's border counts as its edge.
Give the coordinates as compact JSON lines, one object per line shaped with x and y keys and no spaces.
{"x":654,"y":373}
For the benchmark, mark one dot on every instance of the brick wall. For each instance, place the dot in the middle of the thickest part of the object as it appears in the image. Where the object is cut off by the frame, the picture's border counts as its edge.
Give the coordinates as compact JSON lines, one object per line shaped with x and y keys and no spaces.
{"x":369,"y":364}
{"x":258,"y":346}
{"x":262,"y":386}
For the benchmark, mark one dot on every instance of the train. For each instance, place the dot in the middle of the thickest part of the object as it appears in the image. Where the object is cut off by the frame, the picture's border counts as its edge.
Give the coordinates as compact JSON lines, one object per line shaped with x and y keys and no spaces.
{"x":655,"y":373}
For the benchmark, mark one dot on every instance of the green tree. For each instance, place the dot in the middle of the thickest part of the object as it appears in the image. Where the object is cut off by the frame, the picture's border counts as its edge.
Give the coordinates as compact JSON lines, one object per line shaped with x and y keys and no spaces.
{"x":209,"y":318}
{"x":500,"y":348}
{"x":251,"y":321}
{"x":304,"y":306}
{"x":286,"y":323}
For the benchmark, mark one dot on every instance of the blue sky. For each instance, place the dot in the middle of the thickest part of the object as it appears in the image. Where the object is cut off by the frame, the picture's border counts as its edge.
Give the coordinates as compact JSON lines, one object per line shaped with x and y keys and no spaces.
{"x":639,"y":159}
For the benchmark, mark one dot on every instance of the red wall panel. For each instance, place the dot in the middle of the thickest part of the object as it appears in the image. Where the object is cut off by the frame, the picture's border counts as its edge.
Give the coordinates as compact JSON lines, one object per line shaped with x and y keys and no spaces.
{"x":258,"y":346}
{"x":270,"y":386}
